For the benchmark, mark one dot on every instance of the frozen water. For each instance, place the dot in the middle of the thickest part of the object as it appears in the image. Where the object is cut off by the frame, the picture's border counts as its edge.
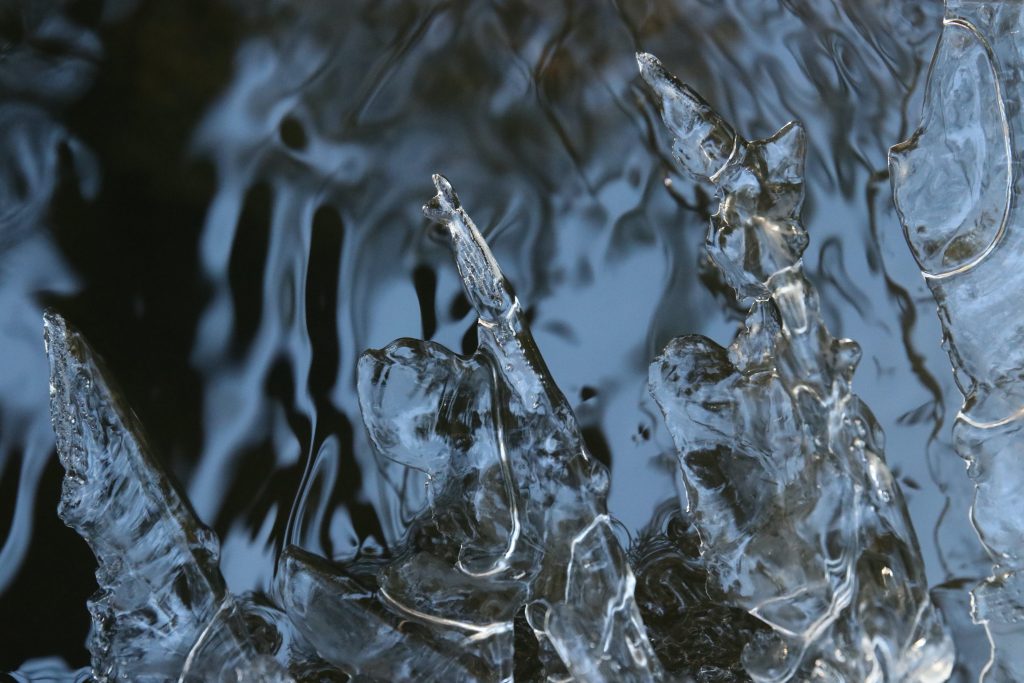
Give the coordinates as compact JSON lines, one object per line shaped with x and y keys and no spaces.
{"x":799,"y":519}
{"x":955,"y":182}
{"x":261,"y":399}
{"x":692,"y":634}
{"x":162,"y":610}
{"x":516,"y":511}
{"x":352,"y":625}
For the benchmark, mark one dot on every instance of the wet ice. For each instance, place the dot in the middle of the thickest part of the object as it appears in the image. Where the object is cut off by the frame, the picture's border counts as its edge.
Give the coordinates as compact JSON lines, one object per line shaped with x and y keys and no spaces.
{"x":955,"y":183}
{"x":162,"y":611}
{"x":517,"y":512}
{"x":799,"y":519}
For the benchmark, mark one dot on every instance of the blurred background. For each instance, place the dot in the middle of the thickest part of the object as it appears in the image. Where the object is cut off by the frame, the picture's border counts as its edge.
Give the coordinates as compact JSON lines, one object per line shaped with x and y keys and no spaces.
{"x":225,"y":198}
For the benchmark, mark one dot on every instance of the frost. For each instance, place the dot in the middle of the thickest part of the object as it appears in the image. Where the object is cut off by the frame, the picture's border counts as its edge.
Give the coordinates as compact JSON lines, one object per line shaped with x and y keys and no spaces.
{"x":800,"y":522}
{"x":162,"y":611}
{"x":516,"y":516}
{"x":955,"y":182}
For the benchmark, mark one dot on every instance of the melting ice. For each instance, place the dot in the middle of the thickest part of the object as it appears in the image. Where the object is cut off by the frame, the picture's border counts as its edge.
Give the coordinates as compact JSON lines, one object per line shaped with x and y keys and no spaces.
{"x":516,"y":519}
{"x":954,"y":183}
{"x":793,"y":533}
{"x":162,"y":611}
{"x":799,"y":519}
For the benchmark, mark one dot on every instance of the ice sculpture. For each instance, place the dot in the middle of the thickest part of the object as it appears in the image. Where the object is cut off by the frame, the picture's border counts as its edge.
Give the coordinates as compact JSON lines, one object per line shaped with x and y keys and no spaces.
{"x":162,"y":611}
{"x":956,"y":182}
{"x":517,"y":516}
{"x":799,"y":519}
{"x":517,"y":522}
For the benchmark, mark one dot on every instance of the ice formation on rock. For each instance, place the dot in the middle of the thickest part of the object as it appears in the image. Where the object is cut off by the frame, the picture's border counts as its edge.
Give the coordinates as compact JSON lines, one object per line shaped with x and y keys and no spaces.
{"x":162,"y":611}
{"x":516,"y":517}
{"x":799,"y":519}
{"x":955,"y":182}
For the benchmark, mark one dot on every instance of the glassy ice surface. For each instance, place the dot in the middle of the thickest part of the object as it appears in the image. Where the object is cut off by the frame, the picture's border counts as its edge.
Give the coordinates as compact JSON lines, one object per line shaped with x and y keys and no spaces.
{"x":162,"y":610}
{"x":693,"y":634}
{"x":799,"y":519}
{"x":956,"y":182}
{"x":515,"y":516}
{"x":350,"y":621}
{"x":225,"y":197}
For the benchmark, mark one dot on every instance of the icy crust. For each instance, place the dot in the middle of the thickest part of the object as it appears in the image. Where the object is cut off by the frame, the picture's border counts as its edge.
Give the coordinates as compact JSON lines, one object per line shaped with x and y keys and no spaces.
{"x":956,"y":182}
{"x":516,"y":518}
{"x":162,"y":612}
{"x":799,"y":519}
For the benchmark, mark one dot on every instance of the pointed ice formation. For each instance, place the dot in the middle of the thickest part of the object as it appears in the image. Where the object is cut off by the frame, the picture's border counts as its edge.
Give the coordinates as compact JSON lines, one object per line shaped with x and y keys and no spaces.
{"x":517,"y":514}
{"x":956,"y":183}
{"x":800,"y":521}
{"x":162,"y":612}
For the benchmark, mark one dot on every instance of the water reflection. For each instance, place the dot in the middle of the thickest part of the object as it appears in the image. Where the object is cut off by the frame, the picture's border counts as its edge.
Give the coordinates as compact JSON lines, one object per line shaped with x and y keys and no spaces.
{"x":257,"y":226}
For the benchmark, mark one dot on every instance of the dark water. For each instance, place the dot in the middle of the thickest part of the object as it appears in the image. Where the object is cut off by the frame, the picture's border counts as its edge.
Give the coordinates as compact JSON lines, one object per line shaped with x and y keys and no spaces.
{"x":224,"y":197}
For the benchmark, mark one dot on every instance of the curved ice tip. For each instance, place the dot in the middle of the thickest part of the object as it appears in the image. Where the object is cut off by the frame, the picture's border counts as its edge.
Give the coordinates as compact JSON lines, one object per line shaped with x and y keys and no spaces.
{"x":659,"y":78}
{"x":704,"y":140}
{"x":443,"y":206}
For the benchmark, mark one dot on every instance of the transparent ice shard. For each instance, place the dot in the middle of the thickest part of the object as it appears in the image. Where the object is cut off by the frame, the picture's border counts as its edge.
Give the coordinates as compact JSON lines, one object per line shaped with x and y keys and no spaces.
{"x":162,"y":611}
{"x":353,"y":626}
{"x":956,"y":183}
{"x":517,"y":514}
{"x":799,"y":519}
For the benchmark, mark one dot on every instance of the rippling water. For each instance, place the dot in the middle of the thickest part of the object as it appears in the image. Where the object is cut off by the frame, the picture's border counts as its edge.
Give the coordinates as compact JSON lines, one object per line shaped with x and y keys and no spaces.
{"x":225,"y":198}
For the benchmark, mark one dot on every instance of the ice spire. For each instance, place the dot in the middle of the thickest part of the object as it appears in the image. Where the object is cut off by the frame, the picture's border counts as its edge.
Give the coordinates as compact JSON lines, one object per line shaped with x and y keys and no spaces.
{"x":517,"y":516}
{"x":956,"y":186}
{"x":800,"y":521}
{"x":162,"y":611}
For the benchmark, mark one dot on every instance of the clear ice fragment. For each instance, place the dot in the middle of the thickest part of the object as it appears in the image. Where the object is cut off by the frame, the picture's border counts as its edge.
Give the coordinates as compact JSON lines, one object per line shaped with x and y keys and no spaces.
{"x":799,"y":519}
{"x":352,"y":625}
{"x":956,"y":182}
{"x":162,"y":612}
{"x":517,"y":515}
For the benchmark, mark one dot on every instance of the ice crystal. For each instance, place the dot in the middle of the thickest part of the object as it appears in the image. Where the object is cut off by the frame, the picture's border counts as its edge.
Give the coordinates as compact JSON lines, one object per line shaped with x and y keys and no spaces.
{"x":799,"y":519}
{"x":955,"y":182}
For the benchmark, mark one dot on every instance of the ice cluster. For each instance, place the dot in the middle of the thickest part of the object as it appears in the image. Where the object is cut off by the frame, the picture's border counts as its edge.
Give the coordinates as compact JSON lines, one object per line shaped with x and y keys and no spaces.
{"x":516,"y":526}
{"x":956,"y":182}
{"x":790,"y":556}
{"x":799,"y":519}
